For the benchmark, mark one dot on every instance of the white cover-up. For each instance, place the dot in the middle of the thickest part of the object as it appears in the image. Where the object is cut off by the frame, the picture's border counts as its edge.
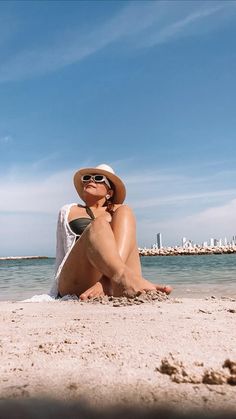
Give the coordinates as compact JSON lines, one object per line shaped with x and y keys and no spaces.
{"x":65,"y":241}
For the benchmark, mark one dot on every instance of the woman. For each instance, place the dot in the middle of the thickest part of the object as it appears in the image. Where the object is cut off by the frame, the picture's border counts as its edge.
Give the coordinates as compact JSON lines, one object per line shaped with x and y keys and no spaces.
{"x":97,"y":252}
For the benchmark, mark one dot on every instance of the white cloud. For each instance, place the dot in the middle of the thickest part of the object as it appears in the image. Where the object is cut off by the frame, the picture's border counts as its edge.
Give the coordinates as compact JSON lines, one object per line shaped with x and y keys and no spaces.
{"x":29,"y":189}
{"x":143,"y":24}
{"x":184,"y":24}
{"x":160,"y":189}
{"x":44,"y":195}
{"x":175,"y":199}
{"x":77,"y":46}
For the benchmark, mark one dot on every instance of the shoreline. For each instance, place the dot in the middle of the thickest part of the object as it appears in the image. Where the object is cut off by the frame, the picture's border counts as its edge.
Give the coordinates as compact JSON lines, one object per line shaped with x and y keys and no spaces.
{"x":186,"y":291}
{"x":171,"y":352}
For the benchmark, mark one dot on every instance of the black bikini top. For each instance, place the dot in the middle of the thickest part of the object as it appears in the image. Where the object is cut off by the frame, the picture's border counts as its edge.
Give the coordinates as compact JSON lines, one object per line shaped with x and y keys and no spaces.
{"x":78,"y":225}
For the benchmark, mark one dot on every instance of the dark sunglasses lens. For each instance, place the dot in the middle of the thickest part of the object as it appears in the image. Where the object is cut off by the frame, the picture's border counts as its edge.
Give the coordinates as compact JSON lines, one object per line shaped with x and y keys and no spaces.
{"x":86,"y":178}
{"x":99,"y":178}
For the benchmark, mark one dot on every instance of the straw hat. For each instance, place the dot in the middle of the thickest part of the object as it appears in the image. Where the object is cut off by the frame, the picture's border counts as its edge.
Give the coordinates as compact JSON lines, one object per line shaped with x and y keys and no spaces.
{"x":102,"y":169}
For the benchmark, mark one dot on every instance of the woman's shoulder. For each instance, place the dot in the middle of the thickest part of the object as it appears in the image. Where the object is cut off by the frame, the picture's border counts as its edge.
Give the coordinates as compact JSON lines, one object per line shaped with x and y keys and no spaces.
{"x":66,"y":208}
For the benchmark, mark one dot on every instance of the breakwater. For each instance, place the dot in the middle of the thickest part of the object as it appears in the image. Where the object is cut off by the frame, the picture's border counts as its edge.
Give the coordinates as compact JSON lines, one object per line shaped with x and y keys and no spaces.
{"x":181,"y":251}
{"x":22,"y":257}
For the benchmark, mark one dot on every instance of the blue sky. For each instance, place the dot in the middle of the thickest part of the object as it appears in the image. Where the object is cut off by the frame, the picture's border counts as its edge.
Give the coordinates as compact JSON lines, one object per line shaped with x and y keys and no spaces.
{"x":147,"y":87}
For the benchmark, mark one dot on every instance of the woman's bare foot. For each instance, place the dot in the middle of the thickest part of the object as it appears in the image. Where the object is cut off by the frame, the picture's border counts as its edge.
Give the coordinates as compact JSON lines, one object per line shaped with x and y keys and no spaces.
{"x":130,"y":285}
{"x":101,"y":288}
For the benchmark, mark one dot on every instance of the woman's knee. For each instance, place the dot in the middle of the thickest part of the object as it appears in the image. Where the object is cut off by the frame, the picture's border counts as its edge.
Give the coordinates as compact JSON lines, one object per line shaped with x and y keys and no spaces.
{"x":124,"y":211}
{"x":123,"y":221}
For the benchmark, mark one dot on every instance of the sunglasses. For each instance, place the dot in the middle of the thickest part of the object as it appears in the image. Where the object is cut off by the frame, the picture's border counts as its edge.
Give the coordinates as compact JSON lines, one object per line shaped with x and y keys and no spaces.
{"x":96,"y":179}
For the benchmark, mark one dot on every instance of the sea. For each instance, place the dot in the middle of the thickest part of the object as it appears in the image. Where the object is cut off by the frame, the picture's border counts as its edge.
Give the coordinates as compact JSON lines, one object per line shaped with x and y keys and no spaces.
{"x":192,"y":276}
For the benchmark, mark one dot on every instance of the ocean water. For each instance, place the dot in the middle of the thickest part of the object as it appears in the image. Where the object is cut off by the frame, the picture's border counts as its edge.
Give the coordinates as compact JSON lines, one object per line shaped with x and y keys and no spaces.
{"x":190,"y":276}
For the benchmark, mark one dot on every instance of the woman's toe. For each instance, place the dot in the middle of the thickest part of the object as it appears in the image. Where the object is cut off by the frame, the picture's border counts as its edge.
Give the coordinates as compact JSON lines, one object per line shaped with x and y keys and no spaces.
{"x":167,"y":289}
{"x":85,"y":295}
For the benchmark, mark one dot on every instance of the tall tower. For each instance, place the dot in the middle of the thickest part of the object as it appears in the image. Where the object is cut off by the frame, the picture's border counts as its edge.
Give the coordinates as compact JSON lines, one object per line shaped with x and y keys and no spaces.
{"x":159,"y":241}
{"x":184,"y":240}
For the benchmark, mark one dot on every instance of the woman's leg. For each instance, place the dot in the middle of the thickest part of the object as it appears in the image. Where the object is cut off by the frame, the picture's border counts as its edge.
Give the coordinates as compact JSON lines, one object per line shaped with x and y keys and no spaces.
{"x":94,"y":257}
{"x":124,"y":228}
{"x":124,"y":234}
{"x":84,"y":266}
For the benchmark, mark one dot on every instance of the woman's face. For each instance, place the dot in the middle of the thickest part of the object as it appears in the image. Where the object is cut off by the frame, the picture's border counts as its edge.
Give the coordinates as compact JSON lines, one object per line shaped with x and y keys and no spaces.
{"x":96,"y":189}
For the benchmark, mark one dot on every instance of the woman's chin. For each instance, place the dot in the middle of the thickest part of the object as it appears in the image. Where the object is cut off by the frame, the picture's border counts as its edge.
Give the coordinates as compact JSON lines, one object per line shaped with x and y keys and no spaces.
{"x":91,"y":194}
{"x":90,"y":188}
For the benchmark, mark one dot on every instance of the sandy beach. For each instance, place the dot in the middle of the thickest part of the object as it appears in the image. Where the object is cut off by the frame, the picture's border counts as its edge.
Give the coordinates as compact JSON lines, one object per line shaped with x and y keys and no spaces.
{"x":168,"y":352}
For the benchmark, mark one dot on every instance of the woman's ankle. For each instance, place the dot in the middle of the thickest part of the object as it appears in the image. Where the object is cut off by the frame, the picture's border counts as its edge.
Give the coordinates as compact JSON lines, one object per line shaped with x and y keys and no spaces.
{"x":116,"y":279}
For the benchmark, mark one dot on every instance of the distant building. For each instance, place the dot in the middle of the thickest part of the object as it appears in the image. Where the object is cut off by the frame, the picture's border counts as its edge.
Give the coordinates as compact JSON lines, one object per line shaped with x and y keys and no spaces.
{"x":159,"y":240}
{"x":186,"y":244}
{"x":216,"y":242}
{"x":211,"y":242}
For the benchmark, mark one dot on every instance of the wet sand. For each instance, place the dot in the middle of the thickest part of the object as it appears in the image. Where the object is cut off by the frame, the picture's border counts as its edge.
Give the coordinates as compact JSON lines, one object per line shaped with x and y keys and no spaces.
{"x":154,"y":352}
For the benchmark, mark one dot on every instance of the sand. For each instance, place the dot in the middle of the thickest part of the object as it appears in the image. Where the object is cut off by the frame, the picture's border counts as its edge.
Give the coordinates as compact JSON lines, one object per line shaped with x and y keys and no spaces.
{"x":164,"y":352}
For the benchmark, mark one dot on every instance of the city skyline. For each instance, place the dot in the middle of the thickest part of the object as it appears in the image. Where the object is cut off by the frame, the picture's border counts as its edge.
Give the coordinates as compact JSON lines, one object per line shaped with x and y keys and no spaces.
{"x":187,"y":242}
